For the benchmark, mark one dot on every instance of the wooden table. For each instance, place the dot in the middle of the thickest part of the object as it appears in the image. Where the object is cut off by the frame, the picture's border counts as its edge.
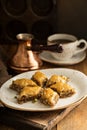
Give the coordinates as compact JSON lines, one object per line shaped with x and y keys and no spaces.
{"x":72,"y":118}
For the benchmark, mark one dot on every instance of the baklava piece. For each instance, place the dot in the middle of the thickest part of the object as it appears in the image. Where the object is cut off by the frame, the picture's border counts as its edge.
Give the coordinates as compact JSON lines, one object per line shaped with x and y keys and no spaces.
{"x":19,"y":84}
{"x":29,"y":93}
{"x":63,"y":89}
{"x":49,"y":97}
{"x":56,"y":78}
{"x":40,"y":78}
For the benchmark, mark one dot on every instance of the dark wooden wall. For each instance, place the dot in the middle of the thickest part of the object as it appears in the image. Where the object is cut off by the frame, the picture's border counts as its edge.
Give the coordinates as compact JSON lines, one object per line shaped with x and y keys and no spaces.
{"x":65,"y":16}
{"x":72,"y":17}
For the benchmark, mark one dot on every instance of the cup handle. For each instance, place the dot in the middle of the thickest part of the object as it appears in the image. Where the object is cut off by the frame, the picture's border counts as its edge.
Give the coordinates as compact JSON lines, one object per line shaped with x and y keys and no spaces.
{"x":81,"y":47}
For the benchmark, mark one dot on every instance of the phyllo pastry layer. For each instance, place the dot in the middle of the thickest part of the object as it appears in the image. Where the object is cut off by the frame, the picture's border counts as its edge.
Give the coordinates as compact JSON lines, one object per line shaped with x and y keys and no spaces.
{"x":63,"y":89}
{"x":40,"y":78}
{"x":19,"y":84}
{"x":49,"y":97}
{"x":29,"y":93}
{"x":56,"y":78}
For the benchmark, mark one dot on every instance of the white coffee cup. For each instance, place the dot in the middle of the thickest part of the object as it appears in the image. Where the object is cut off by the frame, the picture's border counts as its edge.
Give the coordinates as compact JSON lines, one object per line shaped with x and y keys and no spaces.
{"x":70,"y":45}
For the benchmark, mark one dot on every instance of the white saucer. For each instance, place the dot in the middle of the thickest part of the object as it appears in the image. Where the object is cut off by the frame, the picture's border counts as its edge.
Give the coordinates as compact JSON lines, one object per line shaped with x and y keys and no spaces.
{"x":46,"y":56}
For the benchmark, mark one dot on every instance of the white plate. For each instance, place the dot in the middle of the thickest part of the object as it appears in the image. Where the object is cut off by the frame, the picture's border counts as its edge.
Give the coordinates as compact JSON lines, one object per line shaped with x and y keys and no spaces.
{"x":46,"y":56}
{"x":77,"y":79}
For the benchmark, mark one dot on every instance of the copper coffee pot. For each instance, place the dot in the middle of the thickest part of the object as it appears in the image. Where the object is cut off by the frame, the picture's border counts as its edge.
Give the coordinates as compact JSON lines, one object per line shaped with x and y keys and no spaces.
{"x":23,"y":59}
{"x":26,"y":56}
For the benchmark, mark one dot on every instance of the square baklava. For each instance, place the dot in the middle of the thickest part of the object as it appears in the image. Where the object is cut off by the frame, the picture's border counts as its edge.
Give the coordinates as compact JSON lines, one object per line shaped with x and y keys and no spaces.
{"x":19,"y":84}
{"x":49,"y":97}
{"x":63,"y":89}
{"x":40,"y":78}
{"x":29,"y":93}
{"x":56,"y":78}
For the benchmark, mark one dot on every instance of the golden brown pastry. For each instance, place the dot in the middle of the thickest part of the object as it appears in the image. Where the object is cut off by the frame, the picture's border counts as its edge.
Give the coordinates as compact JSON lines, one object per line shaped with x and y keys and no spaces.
{"x":56,"y":78}
{"x":19,"y":84}
{"x":49,"y":97}
{"x":63,"y":89}
{"x":48,"y":91}
{"x":29,"y":93}
{"x":40,"y":78}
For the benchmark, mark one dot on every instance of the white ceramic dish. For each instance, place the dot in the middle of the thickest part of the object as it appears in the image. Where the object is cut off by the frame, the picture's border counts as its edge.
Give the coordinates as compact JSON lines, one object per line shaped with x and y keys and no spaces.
{"x":77,"y":79}
{"x":46,"y":56}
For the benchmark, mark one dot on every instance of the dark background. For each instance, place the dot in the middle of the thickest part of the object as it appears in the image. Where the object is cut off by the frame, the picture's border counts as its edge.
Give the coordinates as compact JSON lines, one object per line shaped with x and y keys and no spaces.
{"x":42,"y":18}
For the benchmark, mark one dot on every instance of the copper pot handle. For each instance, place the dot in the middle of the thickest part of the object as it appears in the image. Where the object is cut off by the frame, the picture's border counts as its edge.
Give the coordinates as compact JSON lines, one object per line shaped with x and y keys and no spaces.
{"x":54,"y":48}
